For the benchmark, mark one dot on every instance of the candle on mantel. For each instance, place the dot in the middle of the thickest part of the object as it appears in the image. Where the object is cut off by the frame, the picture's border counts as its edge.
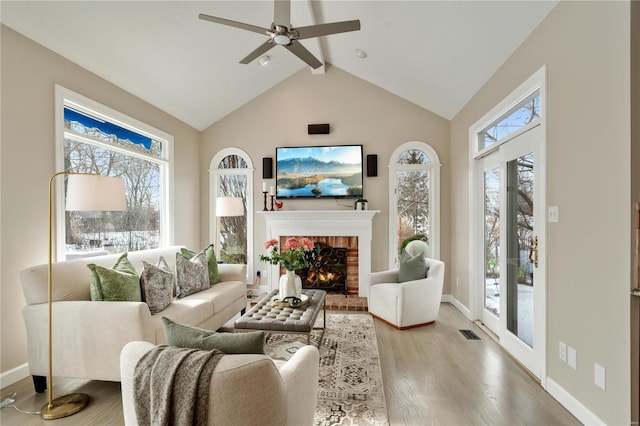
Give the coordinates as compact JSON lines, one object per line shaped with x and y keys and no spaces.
{"x":264,"y":186}
{"x":271,"y":191}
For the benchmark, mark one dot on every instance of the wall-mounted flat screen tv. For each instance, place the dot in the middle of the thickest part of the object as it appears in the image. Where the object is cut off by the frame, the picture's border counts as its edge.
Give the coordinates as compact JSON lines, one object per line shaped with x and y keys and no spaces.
{"x":319,"y":171}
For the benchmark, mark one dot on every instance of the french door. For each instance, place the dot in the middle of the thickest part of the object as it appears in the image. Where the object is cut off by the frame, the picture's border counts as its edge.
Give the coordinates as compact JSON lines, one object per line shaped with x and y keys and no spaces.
{"x":512,"y":277}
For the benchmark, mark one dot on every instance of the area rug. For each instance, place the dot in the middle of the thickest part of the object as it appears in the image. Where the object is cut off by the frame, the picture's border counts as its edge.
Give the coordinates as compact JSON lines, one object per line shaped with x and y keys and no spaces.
{"x":350,"y":390}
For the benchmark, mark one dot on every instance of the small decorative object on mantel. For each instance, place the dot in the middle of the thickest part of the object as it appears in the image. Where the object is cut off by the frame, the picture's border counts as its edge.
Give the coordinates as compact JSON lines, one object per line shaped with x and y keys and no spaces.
{"x":292,"y":257}
{"x":279,"y":204}
{"x":360,"y":204}
{"x":264,"y":194}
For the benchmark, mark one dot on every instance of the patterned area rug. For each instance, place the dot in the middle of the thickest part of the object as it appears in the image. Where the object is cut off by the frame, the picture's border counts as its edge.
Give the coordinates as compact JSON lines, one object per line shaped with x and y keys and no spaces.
{"x":350,"y":388}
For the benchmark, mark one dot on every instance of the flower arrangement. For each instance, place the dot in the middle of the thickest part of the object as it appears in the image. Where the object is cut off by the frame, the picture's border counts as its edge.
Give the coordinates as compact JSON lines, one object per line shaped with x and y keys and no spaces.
{"x":293,"y":253}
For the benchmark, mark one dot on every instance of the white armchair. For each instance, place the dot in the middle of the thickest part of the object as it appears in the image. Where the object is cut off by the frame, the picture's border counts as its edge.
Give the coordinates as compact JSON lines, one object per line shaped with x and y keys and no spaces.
{"x":245,"y":389}
{"x":408,"y":304}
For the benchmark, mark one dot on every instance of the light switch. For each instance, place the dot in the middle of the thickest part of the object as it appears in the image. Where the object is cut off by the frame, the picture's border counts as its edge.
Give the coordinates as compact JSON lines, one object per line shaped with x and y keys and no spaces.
{"x":553,"y":214}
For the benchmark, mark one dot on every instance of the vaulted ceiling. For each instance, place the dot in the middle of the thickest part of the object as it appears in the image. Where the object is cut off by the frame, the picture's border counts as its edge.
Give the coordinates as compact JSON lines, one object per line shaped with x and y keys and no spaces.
{"x":436,"y":54}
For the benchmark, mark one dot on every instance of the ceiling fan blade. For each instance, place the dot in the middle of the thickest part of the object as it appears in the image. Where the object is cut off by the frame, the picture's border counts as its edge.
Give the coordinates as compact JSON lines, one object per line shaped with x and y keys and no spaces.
{"x":235,"y":24}
{"x":327,"y":29}
{"x":301,"y":52}
{"x":258,"y":52}
{"x":282,"y":13}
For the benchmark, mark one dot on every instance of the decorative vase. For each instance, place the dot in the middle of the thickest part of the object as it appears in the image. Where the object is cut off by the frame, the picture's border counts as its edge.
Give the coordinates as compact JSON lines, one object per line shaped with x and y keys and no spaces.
{"x":290,"y":285}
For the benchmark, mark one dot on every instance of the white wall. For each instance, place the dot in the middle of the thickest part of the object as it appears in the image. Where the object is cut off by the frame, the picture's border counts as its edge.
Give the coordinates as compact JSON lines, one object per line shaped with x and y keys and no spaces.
{"x":359,"y":113}
{"x":28,"y":75}
{"x":585,"y":46}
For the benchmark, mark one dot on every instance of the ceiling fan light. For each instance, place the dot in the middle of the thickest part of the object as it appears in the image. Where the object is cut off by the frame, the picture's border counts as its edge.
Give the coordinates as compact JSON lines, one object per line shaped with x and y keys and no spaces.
{"x":361,"y":53}
{"x":281,"y":39}
{"x":264,"y":60}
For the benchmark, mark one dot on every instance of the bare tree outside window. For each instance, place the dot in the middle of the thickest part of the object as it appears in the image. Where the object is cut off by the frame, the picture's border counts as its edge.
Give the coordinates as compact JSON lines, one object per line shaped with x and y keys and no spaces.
{"x":413,"y":196}
{"x":90,"y":150}
{"x":233,"y":230}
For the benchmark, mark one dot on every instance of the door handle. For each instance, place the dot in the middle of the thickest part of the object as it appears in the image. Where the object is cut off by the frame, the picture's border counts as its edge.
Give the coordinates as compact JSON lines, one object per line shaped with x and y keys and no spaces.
{"x":533,"y":252}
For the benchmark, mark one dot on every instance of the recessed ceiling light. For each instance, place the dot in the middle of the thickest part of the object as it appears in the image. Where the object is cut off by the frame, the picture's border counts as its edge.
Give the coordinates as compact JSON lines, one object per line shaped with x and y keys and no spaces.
{"x":264,"y":60}
{"x":361,"y":53}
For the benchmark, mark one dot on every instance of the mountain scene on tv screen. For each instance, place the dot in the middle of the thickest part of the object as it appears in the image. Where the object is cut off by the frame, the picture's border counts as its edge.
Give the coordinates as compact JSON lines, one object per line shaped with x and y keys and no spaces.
{"x":312,"y":177}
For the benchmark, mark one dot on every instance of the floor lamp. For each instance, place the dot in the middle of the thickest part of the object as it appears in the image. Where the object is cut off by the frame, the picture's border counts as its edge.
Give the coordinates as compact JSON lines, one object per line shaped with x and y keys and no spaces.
{"x":85,"y":192}
{"x":225,"y":207}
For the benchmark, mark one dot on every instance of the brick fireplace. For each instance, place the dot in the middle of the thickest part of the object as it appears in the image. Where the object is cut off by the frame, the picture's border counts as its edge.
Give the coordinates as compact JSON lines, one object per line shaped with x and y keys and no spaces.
{"x":351,"y":229}
{"x":350,"y":245}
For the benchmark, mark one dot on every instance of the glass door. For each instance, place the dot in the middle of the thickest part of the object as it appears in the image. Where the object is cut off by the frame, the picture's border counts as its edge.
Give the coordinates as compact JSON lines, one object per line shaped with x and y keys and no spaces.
{"x":513,"y":236}
{"x":491,"y":179}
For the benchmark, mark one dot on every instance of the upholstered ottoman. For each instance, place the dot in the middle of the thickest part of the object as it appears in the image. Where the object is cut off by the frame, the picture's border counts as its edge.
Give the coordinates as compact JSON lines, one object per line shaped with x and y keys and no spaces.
{"x":273,"y":318}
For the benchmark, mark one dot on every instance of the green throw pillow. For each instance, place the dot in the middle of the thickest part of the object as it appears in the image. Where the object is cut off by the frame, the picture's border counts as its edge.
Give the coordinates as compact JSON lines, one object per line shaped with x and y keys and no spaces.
{"x":118,"y":284}
{"x":185,"y":336}
{"x":214,"y":276}
{"x":412,"y":267}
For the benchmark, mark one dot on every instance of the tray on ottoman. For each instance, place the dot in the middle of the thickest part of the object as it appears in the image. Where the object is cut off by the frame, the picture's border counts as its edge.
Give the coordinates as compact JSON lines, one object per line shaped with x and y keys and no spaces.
{"x":271,"y":318}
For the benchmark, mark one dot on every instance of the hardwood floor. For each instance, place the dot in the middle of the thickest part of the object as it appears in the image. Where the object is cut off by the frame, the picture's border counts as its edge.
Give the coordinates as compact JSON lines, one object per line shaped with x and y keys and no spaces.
{"x":432,"y":376}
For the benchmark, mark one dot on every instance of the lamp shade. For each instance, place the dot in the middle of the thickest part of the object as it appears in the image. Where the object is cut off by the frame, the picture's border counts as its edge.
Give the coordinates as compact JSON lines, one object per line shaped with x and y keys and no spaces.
{"x":229,"y":206}
{"x":95,"y":193}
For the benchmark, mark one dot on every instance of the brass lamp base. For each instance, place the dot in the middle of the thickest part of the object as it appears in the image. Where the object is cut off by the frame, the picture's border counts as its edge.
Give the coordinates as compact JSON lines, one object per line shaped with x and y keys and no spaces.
{"x":64,"y":406}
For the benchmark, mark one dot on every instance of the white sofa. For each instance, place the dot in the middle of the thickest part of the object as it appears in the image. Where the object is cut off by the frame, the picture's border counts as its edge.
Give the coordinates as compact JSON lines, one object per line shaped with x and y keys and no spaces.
{"x":245,"y":389}
{"x":89,"y":336}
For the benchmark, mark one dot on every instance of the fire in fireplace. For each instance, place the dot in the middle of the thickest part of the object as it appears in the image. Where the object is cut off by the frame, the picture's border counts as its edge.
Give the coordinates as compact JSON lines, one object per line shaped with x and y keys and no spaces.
{"x":327,"y":269}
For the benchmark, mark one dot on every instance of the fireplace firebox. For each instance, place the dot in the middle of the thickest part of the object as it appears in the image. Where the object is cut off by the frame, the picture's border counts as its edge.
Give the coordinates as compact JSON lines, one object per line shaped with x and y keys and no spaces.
{"x":327,"y":269}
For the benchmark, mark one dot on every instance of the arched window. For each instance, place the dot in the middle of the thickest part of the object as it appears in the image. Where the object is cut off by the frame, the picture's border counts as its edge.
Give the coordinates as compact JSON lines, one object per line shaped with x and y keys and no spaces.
{"x":414,"y":197}
{"x":231,"y":175}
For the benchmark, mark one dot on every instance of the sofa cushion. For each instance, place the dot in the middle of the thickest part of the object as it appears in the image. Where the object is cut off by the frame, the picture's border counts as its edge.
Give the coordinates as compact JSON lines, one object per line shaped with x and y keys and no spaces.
{"x":412,"y":267}
{"x":212,"y":262}
{"x":185,"y":336}
{"x":192,"y":275}
{"x":119,"y":283}
{"x":156,"y":285}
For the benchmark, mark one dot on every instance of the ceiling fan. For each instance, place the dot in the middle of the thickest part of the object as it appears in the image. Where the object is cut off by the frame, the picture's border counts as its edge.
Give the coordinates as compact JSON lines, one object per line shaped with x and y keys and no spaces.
{"x":283,"y":34}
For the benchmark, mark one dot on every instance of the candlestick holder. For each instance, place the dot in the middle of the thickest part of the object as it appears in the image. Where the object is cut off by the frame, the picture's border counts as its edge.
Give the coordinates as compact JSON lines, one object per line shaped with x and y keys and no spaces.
{"x":272,"y":197}
{"x":264,"y":194}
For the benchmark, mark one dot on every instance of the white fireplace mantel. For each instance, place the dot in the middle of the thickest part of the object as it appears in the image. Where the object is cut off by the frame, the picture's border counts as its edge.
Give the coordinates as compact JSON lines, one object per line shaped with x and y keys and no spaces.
{"x":331,"y":223}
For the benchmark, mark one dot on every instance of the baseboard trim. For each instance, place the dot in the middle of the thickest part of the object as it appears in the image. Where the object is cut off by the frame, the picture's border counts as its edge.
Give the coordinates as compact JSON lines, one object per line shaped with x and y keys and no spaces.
{"x":575,"y":407}
{"x":455,"y":302}
{"x":14,"y":375}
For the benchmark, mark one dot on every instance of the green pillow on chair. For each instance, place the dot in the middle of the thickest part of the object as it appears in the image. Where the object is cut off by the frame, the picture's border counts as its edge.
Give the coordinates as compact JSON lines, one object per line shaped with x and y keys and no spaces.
{"x":412,"y":267}
{"x":185,"y":336}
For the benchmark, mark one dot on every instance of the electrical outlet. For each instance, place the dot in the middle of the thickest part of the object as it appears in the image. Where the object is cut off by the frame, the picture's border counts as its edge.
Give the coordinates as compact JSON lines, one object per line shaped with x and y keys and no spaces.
{"x":599,"y":375}
{"x":572,"y":358}
{"x":563,"y":351}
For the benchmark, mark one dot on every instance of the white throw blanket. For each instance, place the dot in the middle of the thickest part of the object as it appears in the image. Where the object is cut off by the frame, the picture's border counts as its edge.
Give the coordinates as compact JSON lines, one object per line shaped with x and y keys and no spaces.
{"x":171,"y":386}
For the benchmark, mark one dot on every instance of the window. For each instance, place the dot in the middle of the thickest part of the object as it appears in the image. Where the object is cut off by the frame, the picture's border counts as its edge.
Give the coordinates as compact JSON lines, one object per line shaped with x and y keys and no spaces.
{"x":95,"y":139}
{"x":231,"y":175}
{"x":414,"y":197}
{"x":516,"y":120}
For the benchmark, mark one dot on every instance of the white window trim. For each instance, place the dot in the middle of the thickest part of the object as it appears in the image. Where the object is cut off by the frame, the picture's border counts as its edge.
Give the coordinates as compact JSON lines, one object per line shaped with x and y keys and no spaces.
{"x":214,"y":173}
{"x":64,"y":96}
{"x":434,"y":195}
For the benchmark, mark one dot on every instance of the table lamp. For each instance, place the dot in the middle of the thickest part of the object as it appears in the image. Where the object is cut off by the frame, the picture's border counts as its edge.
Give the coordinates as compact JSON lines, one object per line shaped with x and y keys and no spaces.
{"x":225,"y":207}
{"x":85,"y":192}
